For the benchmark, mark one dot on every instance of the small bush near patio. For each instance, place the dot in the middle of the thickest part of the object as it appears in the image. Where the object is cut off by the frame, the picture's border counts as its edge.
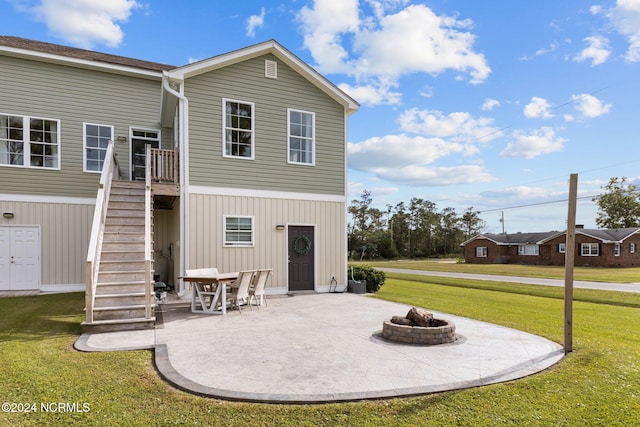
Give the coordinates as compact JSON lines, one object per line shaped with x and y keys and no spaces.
{"x":375,"y":278}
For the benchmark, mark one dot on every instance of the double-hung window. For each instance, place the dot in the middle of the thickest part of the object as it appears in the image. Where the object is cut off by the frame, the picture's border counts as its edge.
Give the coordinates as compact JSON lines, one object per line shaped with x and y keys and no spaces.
{"x":29,"y":142}
{"x":238,"y":129}
{"x":301,"y":137}
{"x":616,"y":249}
{"x":96,"y":141}
{"x":562,"y":248}
{"x":632,"y":248}
{"x":481,"y":252}
{"x":238,"y":231}
{"x":590,"y":249}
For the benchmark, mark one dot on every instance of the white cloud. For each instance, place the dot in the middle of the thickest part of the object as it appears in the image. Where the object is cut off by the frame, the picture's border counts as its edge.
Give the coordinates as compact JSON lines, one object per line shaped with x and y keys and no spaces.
{"x":376,"y":94}
{"x":394,"y":151}
{"x":590,"y":106}
{"x":625,"y":17}
{"x":255,"y":21}
{"x":85,"y":22}
{"x":459,"y":126}
{"x":417,"y":175}
{"x":541,"y":141}
{"x":538,"y":108}
{"x":597,"y":52}
{"x":380,"y":49}
{"x":489,"y":104}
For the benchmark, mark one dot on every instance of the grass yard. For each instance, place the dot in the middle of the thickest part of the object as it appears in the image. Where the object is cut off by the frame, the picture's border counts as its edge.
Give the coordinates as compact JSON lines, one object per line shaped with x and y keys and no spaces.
{"x":597,"y":384}
{"x":593,"y":274}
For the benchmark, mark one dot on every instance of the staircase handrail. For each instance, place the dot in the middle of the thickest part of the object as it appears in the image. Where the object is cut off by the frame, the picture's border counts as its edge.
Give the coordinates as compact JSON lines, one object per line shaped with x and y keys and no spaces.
{"x":148,"y":261}
{"x":110,"y":171}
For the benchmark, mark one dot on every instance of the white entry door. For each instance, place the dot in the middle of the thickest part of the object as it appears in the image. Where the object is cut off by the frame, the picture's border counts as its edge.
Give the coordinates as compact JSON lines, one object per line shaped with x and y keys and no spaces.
{"x":19,"y":258}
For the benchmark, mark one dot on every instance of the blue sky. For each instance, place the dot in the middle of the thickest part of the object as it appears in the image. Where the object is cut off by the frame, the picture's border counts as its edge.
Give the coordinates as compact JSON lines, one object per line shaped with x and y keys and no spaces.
{"x":465,"y":103}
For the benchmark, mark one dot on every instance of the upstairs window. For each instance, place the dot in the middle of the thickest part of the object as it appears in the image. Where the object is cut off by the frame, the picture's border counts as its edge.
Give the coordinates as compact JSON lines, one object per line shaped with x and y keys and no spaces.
{"x":590,"y":249}
{"x":238,"y":129}
{"x":481,"y":251}
{"x":238,"y":231}
{"x":29,"y":142}
{"x":301,"y":137}
{"x":96,"y":141}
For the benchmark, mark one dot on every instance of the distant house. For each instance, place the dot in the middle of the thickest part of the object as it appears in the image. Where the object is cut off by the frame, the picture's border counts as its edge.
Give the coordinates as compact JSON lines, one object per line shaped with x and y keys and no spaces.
{"x":114,"y":170}
{"x":594,"y":248}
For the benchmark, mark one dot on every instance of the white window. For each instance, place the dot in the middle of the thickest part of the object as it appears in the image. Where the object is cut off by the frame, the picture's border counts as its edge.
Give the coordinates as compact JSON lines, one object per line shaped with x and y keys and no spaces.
{"x":238,"y":231}
{"x":29,"y":142}
{"x":528,"y":250}
{"x":301,"y":137}
{"x":481,"y":251}
{"x":590,"y":249}
{"x":238,"y":129}
{"x":96,"y":141}
{"x":616,"y":249}
{"x":632,"y":248}
{"x":562,"y":248}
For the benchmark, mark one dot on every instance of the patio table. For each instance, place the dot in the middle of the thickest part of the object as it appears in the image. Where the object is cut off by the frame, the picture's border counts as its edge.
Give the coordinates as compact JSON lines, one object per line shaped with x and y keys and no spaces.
{"x":214,"y":285}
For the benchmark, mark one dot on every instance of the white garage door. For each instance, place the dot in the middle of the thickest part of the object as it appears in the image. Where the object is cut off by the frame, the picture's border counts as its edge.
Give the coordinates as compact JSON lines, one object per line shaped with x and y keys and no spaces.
{"x":19,"y":258}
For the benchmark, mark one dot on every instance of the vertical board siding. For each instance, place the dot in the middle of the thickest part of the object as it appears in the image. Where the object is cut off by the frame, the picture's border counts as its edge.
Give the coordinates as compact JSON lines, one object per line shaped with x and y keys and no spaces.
{"x":270,"y":251}
{"x":64,"y":237}
{"x":74,"y":96}
{"x":269,"y":170}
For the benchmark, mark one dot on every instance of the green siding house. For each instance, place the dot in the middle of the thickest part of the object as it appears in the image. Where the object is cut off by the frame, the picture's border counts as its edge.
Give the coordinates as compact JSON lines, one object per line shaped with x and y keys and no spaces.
{"x":117,"y":172}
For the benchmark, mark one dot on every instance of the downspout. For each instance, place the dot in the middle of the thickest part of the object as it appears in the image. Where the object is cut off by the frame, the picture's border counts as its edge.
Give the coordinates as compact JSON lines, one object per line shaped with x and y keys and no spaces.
{"x":183,"y":149}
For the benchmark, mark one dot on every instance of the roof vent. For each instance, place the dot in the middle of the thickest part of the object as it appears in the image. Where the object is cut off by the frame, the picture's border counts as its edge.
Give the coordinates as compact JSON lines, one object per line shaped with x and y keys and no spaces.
{"x":271,"y":69}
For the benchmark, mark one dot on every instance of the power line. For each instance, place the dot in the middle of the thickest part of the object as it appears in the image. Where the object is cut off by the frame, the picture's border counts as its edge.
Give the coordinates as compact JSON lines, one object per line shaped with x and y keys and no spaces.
{"x":533,"y":204}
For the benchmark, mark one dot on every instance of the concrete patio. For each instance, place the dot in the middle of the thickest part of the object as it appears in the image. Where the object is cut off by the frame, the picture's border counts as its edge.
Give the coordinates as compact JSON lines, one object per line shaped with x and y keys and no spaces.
{"x":323,"y":348}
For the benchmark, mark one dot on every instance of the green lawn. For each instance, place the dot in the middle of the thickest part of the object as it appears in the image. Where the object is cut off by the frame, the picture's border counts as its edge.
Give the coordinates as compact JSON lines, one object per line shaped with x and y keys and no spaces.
{"x":594,"y":274}
{"x":597,"y":384}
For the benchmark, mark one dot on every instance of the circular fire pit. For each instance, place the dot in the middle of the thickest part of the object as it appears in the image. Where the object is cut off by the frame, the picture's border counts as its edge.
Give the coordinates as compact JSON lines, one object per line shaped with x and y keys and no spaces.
{"x":404,"y":330}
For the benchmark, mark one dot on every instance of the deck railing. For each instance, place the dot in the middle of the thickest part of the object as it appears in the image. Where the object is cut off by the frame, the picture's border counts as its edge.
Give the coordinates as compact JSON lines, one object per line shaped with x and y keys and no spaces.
{"x":148,"y":260}
{"x":164,"y":165}
{"x":110,"y":171}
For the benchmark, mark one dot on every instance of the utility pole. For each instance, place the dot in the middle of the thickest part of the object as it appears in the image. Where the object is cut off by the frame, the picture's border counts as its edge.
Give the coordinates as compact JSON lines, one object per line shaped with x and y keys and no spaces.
{"x":502,"y":220}
{"x":569,"y":256}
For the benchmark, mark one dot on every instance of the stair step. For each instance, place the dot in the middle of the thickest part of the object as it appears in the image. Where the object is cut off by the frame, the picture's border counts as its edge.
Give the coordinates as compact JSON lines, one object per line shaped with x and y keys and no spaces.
{"x":114,"y":300}
{"x":123,"y":246}
{"x":120,"y":256}
{"x":119,"y":325}
{"x":107,"y":288}
{"x":111,"y":266}
{"x":124,"y":220}
{"x":119,"y":236}
{"x":124,"y":212}
{"x":124,"y":198}
{"x":123,"y":276}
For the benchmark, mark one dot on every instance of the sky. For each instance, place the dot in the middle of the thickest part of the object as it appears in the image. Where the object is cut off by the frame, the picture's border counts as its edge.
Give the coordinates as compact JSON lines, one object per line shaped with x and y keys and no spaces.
{"x":484,"y":104}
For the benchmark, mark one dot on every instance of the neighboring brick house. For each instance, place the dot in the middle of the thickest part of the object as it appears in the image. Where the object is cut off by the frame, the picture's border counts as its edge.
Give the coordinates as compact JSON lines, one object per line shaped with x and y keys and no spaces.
{"x":594,"y":248}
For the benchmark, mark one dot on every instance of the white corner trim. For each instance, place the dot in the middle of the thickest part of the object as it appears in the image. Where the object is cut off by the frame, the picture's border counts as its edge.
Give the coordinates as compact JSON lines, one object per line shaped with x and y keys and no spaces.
{"x":31,"y":198}
{"x":267,"y":194}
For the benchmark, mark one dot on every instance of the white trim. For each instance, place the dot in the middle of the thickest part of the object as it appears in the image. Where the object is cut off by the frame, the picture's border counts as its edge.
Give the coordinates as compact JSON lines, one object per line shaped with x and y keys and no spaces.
{"x":268,"y":194}
{"x":64,"y":288}
{"x":26,"y":143}
{"x":224,"y":129}
{"x":313,"y":137}
{"x":143,"y":129}
{"x":80,"y":63}
{"x":28,"y":198}
{"x":84,"y":144}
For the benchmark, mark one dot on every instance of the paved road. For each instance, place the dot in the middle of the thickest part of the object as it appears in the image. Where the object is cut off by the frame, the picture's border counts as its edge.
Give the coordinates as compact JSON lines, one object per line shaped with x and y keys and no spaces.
{"x":621,"y":287}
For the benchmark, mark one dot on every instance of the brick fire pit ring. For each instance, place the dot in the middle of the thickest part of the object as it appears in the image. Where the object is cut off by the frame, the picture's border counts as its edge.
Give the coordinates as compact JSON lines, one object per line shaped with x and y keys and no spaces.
{"x":442,"y":332}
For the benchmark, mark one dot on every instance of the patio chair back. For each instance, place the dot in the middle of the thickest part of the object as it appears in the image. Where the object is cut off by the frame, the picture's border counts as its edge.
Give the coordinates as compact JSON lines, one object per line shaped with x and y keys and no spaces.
{"x":258,"y":290}
{"x":241,"y":291}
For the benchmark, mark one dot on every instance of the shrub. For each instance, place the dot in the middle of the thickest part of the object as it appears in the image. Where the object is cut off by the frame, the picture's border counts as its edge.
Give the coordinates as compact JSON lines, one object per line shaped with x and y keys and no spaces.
{"x":375,"y":278}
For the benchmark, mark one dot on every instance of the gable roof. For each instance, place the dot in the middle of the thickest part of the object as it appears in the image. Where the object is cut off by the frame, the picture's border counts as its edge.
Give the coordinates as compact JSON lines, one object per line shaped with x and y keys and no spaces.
{"x":49,"y":52}
{"x":614,"y":235}
{"x":260,"y":49}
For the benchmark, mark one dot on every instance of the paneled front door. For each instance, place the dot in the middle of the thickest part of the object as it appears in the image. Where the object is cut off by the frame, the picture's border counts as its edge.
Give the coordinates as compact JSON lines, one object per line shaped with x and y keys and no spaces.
{"x":19,"y":258}
{"x":301,"y":258}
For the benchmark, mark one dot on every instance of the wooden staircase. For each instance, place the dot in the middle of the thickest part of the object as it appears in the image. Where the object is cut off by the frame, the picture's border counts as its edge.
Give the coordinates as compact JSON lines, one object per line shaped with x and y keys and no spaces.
{"x":119,"y":299}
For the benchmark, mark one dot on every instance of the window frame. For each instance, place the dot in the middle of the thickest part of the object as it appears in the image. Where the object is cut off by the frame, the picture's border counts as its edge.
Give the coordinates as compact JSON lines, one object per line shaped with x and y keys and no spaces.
{"x":312,"y":139}
{"x":482,"y":252}
{"x":238,"y":243}
{"x":632,"y":248}
{"x":28,"y":144}
{"x":224,"y":129}
{"x":562,"y":248}
{"x":617,"y":249}
{"x":522,"y":250}
{"x":583,"y":246}
{"x":85,"y":148}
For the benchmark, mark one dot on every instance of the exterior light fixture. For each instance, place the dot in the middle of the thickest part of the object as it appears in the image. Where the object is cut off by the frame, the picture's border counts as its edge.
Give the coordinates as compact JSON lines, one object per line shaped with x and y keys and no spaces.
{"x":8,"y":215}
{"x":280,"y":227}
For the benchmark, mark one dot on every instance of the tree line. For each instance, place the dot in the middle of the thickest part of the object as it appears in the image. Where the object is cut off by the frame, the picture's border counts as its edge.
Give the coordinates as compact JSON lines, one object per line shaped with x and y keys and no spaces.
{"x":416,"y":229}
